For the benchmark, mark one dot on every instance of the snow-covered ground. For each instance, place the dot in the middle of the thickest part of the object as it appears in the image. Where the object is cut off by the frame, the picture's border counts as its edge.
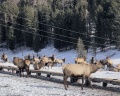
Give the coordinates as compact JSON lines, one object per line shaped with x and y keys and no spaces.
{"x":13,"y":85}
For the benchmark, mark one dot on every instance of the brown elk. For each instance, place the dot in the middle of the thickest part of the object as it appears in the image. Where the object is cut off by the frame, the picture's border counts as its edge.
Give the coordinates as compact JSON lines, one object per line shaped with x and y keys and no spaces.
{"x":59,"y":61}
{"x":107,"y":62}
{"x":4,"y":57}
{"x":22,"y":64}
{"x":80,"y":60}
{"x":46,"y":61}
{"x":79,"y":70}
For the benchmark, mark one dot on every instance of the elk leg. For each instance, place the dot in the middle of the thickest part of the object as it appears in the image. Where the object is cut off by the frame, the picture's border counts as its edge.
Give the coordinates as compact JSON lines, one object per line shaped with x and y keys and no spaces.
{"x":82,"y":82}
{"x":27,"y":69}
{"x":20,"y":71}
{"x":65,"y":82}
{"x":90,"y":82}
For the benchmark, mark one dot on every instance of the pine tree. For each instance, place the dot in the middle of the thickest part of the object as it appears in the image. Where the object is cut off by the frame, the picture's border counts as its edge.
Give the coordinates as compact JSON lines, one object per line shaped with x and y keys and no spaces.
{"x":80,"y":48}
{"x":37,"y":43}
{"x":0,"y":35}
{"x":11,"y":38}
{"x":19,"y":30}
{"x":59,"y":22}
{"x":44,"y":17}
{"x":115,"y":26}
{"x":94,"y":47}
{"x":4,"y":27}
{"x":11,"y":43}
{"x":8,"y":19}
{"x":106,"y":13}
{"x":28,"y":25}
{"x":80,"y":15}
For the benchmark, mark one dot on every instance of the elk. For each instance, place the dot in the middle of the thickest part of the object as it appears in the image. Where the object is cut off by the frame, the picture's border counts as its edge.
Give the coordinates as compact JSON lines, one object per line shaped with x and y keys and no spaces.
{"x":22,"y":64}
{"x":80,"y":70}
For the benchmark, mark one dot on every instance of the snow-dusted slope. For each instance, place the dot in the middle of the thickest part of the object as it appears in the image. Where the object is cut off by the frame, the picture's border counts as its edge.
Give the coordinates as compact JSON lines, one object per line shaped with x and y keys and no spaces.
{"x":68,"y":55}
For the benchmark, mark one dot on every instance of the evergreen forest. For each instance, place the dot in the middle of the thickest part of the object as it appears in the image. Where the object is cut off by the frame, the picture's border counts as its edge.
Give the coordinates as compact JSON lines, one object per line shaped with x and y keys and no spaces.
{"x":61,"y":23}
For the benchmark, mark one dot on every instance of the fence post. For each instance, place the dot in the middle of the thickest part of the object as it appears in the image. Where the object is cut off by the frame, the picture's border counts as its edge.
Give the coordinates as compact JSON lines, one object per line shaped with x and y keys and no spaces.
{"x":104,"y":84}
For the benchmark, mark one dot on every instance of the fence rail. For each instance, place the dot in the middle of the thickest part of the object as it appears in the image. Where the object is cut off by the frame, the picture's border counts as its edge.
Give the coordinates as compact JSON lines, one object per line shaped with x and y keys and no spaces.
{"x":49,"y":73}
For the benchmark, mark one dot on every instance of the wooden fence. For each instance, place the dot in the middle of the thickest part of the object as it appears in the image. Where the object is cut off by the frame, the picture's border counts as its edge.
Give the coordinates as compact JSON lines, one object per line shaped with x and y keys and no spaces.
{"x":105,"y":81}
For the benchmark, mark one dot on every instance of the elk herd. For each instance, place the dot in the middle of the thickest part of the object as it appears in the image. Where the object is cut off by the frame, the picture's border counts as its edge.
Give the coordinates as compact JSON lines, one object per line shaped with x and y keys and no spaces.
{"x":37,"y":62}
{"x":81,"y":68}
